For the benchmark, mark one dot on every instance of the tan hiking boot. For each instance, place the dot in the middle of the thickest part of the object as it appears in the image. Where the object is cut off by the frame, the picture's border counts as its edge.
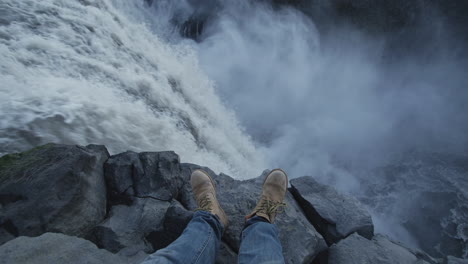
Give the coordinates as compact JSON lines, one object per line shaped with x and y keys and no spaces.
{"x":273,"y":192}
{"x":203,"y":188}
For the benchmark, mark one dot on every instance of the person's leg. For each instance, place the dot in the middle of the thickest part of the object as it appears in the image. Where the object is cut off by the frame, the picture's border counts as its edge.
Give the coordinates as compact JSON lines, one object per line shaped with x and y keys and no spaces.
{"x":200,"y":240}
{"x":259,"y":240}
{"x":260,"y":243}
{"x":198,"y":243}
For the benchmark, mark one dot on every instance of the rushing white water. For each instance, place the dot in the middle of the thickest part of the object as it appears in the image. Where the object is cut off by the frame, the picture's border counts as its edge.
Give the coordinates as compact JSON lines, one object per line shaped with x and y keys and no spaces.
{"x":82,"y":72}
{"x":116,"y":72}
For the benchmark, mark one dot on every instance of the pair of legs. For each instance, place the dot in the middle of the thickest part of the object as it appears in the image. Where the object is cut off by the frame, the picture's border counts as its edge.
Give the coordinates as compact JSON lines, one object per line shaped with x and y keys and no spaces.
{"x":201,"y":238}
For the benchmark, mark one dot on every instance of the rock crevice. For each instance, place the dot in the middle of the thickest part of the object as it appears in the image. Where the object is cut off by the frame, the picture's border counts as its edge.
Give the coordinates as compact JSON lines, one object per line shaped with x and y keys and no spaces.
{"x":333,"y":214}
{"x":65,"y":201}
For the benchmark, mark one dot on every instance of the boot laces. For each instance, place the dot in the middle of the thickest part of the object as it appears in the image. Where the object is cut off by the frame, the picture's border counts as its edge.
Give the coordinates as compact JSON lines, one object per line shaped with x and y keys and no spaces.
{"x":205,"y":204}
{"x":270,"y":207}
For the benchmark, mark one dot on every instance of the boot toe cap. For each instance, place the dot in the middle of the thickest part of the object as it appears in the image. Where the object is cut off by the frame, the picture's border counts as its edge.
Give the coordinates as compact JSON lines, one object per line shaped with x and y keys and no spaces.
{"x":278,"y":177}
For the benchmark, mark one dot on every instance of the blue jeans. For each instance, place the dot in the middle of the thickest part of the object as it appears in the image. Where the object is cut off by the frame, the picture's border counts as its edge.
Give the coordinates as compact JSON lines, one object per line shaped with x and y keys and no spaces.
{"x":201,"y":238}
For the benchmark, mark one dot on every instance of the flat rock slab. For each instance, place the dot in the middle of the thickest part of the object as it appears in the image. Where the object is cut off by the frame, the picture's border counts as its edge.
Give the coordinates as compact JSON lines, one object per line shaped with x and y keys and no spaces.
{"x":356,"y":249}
{"x":301,"y":242}
{"x":333,"y":214}
{"x":52,"y":188}
{"x":55,"y":248}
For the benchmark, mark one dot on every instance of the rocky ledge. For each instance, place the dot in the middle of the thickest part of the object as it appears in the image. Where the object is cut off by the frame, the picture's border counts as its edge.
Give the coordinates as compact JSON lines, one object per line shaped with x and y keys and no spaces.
{"x":75,"y":204}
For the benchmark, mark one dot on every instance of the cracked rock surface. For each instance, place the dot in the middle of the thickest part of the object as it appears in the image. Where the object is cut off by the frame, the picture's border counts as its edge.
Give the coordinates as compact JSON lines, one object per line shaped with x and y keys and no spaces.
{"x":335,"y":215}
{"x":52,"y":188}
{"x":74,"y":204}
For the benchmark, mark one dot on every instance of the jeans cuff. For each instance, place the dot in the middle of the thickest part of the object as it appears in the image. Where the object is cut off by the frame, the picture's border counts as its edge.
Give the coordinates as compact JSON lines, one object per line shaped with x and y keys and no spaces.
{"x":214,"y":219}
{"x":254,"y":220}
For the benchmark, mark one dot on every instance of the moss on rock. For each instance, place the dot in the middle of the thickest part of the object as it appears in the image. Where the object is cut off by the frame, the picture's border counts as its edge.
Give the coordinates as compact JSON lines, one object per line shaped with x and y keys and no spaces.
{"x":10,"y":163}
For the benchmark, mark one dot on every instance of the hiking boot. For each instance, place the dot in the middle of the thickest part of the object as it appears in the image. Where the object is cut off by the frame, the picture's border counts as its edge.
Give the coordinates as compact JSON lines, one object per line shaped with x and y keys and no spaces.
{"x":273,"y":192}
{"x":203,"y":188}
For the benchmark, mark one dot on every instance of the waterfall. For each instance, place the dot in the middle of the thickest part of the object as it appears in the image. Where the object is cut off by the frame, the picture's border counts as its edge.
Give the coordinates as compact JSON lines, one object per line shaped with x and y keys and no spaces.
{"x":379,"y":116}
{"x":81,"y":72}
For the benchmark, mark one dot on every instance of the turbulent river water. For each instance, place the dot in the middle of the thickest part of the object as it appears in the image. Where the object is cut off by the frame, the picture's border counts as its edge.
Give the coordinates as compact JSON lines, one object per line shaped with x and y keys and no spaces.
{"x":261,"y":88}
{"x":83,"y":71}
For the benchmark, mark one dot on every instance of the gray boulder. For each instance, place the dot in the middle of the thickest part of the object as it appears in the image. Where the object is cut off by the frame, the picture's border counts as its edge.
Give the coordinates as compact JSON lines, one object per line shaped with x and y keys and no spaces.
{"x":333,"y":214}
{"x":153,"y":175}
{"x":301,"y":242}
{"x":127,"y":226}
{"x":454,"y":260}
{"x":55,"y":248}
{"x":52,"y":188}
{"x":356,"y":249}
{"x":58,"y":188}
{"x":175,"y":220}
{"x":143,"y":189}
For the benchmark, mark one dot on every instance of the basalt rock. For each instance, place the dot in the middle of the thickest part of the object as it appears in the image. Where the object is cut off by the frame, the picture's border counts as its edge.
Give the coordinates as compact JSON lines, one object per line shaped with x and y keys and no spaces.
{"x":52,"y":188}
{"x":131,"y":175}
{"x":175,"y":220}
{"x":356,"y":249}
{"x":127,"y":226}
{"x":333,"y":214}
{"x":55,"y":248}
{"x":136,"y":203}
{"x":454,"y":260}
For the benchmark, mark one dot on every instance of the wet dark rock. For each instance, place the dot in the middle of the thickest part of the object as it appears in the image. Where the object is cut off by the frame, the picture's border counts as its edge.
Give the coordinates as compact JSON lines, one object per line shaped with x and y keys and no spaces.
{"x":65,"y":189}
{"x":55,"y":248}
{"x":193,"y":28}
{"x":333,"y":214}
{"x":377,"y":15}
{"x":131,"y":175}
{"x":52,"y":188}
{"x":142,"y":186}
{"x":175,"y":220}
{"x":454,"y":260}
{"x":356,"y":249}
{"x":127,"y":226}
